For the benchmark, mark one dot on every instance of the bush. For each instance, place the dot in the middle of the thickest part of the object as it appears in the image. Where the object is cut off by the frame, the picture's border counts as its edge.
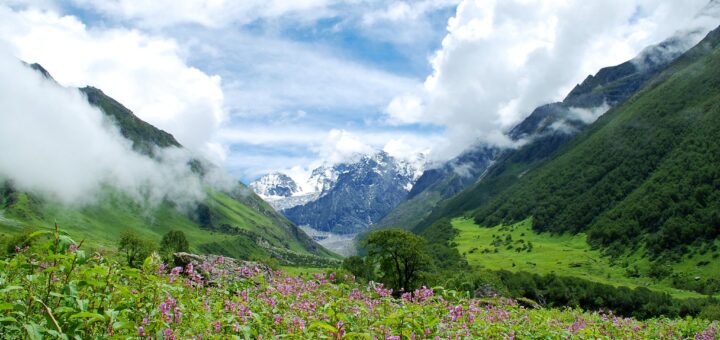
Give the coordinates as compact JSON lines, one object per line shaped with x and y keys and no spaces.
{"x":173,"y":241}
{"x":710,"y":312}
{"x":358,"y":267}
{"x":135,"y":248}
{"x":18,"y":241}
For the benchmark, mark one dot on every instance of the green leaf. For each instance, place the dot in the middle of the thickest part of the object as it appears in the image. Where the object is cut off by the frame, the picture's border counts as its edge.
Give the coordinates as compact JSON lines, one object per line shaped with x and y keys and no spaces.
{"x":92,"y":317}
{"x":39,"y":233}
{"x":6,"y":306}
{"x":322,"y":325}
{"x":33,"y":331}
{"x":8,"y":319}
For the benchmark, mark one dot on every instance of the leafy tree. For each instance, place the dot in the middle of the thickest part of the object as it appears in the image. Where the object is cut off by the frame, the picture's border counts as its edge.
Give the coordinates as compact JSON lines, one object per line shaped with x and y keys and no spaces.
{"x":135,"y":248}
{"x":401,"y":255}
{"x":358,"y":266}
{"x":174,"y":241}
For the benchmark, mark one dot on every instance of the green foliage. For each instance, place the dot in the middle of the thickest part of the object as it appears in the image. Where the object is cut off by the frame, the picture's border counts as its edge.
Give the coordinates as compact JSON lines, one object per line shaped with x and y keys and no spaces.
{"x":135,"y":248}
{"x":401,"y":255}
{"x":360,"y":267}
{"x":710,"y":312}
{"x":55,"y":291}
{"x":174,"y":241}
{"x":17,"y":241}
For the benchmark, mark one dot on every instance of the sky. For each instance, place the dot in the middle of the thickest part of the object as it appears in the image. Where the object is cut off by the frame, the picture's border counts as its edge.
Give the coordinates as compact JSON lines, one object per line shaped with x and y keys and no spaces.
{"x":267,"y":85}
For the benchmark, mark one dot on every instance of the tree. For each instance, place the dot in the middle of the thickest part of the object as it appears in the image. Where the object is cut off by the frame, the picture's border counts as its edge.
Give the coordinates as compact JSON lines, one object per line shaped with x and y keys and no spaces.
{"x":359,"y":267}
{"x":135,"y":248}
{"x":174,"y":241}
{"x":401,"y":255}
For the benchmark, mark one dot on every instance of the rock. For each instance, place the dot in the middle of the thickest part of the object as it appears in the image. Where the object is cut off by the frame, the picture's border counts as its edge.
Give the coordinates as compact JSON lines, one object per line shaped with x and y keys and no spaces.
{"x":486,"y":291}
{"x":213,"y":268}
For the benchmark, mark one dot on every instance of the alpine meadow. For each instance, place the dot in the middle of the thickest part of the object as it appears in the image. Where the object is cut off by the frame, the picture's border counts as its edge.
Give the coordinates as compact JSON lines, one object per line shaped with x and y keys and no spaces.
{"x":431,"y":169}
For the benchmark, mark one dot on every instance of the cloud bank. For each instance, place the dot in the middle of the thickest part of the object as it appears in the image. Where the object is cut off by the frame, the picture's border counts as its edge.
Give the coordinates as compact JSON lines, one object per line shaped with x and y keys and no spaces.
{"x":55,"y":144}
{"x":144,"y":72}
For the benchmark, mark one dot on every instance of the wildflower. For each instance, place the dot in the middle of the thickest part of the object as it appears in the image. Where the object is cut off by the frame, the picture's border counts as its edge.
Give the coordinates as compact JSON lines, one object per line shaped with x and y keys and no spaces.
{"x":141,"y":331}
{"x":340,"y":326}
{"x":72,"y":248}
{"x":169,"y":334}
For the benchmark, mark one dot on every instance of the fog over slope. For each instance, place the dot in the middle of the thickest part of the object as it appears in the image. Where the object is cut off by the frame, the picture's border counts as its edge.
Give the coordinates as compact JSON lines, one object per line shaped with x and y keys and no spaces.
{"x":56,"y":144}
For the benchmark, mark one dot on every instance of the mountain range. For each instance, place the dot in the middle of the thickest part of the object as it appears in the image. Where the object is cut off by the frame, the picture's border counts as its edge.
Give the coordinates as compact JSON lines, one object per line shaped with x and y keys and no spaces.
{"x":345,"y":198}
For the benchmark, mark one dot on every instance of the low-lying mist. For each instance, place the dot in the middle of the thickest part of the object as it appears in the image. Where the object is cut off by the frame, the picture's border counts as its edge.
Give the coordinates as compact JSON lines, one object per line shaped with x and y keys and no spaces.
{"x":53,"y":143}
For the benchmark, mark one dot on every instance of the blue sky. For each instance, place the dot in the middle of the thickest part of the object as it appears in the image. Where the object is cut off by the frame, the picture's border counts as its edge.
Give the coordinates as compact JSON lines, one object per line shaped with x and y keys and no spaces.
{"x":256,"y":60}
{"x":271,"y":85}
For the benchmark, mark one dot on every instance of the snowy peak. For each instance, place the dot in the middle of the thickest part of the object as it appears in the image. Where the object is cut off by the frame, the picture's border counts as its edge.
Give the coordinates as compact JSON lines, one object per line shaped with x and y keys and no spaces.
{"x":321,"y":180}
{"x":275,"y":185}
{"x":362,"y":192}
{"x":282,"y":192}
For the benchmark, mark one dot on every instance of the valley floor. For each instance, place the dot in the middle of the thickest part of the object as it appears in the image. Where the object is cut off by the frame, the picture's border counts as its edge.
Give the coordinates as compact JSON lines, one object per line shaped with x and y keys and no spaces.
{"x":519,"y":248}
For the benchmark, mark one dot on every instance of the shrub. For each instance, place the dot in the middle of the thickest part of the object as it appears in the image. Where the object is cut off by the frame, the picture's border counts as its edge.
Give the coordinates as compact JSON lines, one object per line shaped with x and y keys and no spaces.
{"x":135,"y":248}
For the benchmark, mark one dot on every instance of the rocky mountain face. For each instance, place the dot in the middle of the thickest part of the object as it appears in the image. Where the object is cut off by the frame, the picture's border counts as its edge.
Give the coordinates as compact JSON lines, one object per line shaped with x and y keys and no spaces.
{"x":347,"y":197}
{"x":275,"y":185}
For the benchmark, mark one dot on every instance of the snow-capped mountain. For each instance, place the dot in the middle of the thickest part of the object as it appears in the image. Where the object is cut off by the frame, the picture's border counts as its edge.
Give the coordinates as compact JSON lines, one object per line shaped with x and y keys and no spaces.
{"x":275,"y":185}
{"x":362,"y":193}
{"x":346,"y":197}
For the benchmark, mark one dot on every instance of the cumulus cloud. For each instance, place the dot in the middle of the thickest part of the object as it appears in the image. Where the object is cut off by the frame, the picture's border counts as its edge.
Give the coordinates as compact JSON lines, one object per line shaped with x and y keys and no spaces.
{"x":55,"y":144}
{"x":144,"y":72}
{"x":501,"y":59}
{"x":341,"y":145}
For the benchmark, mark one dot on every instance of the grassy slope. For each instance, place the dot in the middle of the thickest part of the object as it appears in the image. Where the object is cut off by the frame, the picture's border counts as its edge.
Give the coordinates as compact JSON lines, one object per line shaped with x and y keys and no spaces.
{"x":564,"y":255}
{"x":411,"y":212}
{"x":102,"y":224}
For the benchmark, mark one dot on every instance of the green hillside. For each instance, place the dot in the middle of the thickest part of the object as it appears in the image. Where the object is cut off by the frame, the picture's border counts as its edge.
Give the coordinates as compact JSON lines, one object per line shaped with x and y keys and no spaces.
{"x":642,"y":181}
{"x":648,"y":167}
{"x":233,"y":222}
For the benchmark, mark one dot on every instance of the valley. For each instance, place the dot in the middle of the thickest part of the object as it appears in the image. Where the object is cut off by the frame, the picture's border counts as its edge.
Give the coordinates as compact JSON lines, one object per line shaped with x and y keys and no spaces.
{"x":375,"y":170}
{"x":520,"y":248}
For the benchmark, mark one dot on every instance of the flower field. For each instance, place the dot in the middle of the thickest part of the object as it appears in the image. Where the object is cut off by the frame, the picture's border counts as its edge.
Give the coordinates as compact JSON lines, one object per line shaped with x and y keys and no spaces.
{"x":57,"y":291}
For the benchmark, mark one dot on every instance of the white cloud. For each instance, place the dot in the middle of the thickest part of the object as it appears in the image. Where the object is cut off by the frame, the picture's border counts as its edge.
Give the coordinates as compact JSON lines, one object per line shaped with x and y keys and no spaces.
{"x":159,"y":13}
{"x":143,"y":72}
{"x":54,"y":143}
{"x":590,"y":115}
{"x":501,"y":59}
{"x":321,"y":147}
{"x":403,"y":22}
{"x":341,"y":145}
{"x":269,"y":75}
